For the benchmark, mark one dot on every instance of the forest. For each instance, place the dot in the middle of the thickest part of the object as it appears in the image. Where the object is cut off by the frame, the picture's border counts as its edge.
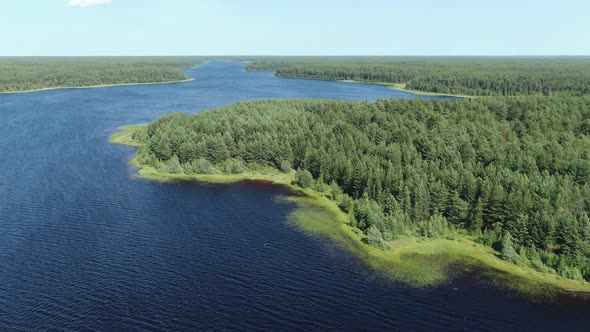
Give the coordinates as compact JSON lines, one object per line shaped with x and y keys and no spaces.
{"x":33,"y":73}
{"x":511,"y":172}
{"x":473,"y":76}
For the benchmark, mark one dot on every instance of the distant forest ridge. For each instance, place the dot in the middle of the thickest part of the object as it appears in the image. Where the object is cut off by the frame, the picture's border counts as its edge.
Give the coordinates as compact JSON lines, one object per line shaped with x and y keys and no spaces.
{"x":475,"y":76}
{"x":34,"y":73}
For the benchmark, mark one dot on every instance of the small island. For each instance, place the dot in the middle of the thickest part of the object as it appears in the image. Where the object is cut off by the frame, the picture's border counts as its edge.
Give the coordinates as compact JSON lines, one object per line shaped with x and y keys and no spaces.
{"x":419,"y":190}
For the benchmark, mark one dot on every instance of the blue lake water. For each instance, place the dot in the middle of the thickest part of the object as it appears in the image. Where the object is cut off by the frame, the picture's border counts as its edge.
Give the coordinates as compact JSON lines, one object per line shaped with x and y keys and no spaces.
{"x":83,"y":246}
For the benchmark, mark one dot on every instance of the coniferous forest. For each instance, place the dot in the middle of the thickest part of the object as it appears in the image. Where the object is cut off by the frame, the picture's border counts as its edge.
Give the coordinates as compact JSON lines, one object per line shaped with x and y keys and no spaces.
{"x":300,"y":165}
{"x":33,"y":73}
{"x":511,"y":171}
{"x":474,"y":76}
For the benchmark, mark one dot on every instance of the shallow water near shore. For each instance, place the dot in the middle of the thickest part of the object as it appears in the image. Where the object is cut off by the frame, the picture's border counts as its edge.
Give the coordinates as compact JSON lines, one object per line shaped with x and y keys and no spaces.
{"x":85,"y":246}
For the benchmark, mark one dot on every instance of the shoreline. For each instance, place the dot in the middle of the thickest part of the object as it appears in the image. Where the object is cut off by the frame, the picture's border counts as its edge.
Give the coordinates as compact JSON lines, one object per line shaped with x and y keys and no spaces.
{"x":431,"y":262}
{"x":95,"y":86}
{"x":393,"y":86}
{"x":402,"y":87}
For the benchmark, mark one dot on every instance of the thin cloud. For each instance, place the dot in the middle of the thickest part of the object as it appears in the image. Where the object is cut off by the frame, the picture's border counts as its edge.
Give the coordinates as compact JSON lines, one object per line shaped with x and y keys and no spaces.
{"x":87,"y":3}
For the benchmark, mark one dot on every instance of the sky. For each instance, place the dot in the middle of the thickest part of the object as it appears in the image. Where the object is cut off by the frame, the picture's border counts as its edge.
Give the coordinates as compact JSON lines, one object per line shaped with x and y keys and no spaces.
{"x":298,"y":27}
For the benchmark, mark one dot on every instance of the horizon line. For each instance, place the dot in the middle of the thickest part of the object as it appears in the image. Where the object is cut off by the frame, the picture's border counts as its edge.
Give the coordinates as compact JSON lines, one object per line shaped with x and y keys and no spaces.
{"x":305,"y":55}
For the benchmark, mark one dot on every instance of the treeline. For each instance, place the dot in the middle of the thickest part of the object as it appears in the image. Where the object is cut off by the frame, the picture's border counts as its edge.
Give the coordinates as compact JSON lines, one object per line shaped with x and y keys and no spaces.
{"x":514,"y":172}
{"x":31,"y":73}
{"x":475,"y":76}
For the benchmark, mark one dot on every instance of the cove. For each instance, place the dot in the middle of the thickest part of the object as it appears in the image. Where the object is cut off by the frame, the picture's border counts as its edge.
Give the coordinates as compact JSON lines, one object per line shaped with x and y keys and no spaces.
{"x":84,"y":246}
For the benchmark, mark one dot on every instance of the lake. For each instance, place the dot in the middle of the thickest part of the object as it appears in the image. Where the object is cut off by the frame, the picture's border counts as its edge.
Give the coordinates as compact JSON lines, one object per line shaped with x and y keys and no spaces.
{"x":83,"y":246}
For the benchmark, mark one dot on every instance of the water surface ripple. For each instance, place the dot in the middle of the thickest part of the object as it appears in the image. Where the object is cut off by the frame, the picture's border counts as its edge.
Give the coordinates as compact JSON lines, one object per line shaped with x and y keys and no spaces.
{"x":84,"y":247}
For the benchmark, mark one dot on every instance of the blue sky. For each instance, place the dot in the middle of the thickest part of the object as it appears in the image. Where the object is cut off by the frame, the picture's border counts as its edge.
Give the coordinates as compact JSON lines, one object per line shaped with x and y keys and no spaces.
{"x":302,"y":27}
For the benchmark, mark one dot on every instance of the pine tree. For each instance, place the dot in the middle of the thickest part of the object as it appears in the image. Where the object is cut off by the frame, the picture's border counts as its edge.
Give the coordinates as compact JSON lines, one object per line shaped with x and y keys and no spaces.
{"x":476,"y":217}
{"x":346,"y":203}
{"x":174,"y":166}
{"x":566,"y":233}
{"x":508,"y":252}
{"x":162,"y":149}
{"x":458,"y":211}
{"x":374,"y":237}
{"x":303,"y":178}
{"x":335,"y":191}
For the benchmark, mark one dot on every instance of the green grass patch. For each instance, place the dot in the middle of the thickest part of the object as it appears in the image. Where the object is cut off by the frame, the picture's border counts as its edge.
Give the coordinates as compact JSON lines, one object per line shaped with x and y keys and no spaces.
{"x":147,"y":172}
{"x":422,"y":262}
{"x":125,"y":135}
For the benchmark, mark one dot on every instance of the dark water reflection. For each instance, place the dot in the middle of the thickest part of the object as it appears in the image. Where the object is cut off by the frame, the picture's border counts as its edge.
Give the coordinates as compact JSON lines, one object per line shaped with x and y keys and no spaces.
{"x":84,"y":247}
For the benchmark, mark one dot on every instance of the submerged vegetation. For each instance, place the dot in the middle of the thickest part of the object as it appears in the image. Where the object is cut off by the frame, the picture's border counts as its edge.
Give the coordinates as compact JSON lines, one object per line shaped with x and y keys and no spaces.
{"x":36,"y":73}
{"x":473,"y":76}
{"x":501,"y":181}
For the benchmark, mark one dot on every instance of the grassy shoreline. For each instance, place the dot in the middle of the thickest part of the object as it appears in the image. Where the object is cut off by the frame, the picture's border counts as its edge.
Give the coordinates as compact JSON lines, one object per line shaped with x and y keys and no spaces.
{"x":415,"y":261}
{"x":95,"y":86}
{"x":402,"y":87}
{"x":394,"y":86}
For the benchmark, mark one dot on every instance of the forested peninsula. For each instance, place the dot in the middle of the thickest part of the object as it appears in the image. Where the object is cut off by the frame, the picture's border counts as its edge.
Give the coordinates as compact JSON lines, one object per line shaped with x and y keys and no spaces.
{"x":21,"y":74}
{"x":465,"y":76}
{"x":412,"y":186}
